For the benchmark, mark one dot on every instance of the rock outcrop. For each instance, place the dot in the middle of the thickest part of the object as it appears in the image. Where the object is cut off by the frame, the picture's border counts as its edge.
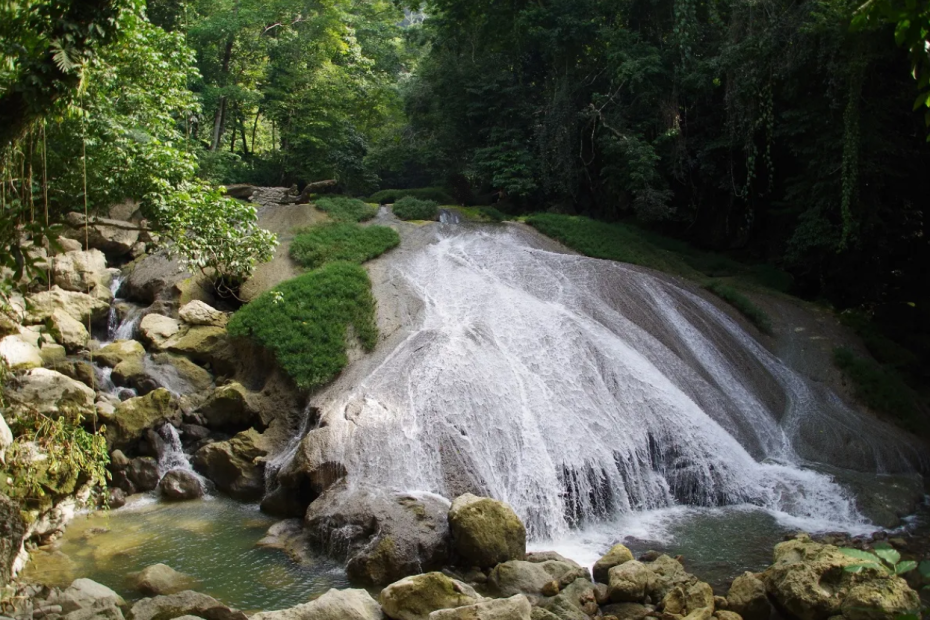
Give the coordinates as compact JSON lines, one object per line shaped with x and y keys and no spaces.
{"x":235,"y":466}
{"x":135,"y":416}
{"x":617,"y":555}
{"x":186,"y":603}
{"x":485,"y":532}
{"x":51,"y":393}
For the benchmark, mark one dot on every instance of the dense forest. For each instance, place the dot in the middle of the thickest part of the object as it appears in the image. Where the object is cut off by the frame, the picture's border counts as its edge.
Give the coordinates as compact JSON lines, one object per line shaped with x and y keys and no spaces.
{"x":778,"y":131}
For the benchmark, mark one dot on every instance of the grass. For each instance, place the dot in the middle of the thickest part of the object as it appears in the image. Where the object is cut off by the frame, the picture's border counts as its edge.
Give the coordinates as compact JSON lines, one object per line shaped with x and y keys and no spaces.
{"x":410,"y":208}
{"x":341,"y":241}
{"x":305,"y":321}
{"x":743,"y":304}
{"x":880,"y":388}
{"x":342,"y":209}
{"x":390,"y":196}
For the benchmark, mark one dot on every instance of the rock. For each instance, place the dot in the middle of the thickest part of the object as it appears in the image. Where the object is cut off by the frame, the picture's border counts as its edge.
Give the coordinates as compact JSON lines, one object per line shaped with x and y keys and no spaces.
{"x":153,"y":277}
{"x":179,"y":485}
{"x":133,"y":373}
{"x":627,"y":611}
{"x":113,"y":237}
{"x":51,"y":393}
{"x":116,"y":498}
{"x":53,"y":354}
{"x":235,"y":466}
{"x":6,"y":436}
{"x":197,"y":312}
{"x":68,"y":245}
{"x":78,"y":370}
{"x":514,"y":608}
{"x":19,"y":354}
{"x":86,"y":594}
{"x":666,"y":574}
{"x":416,"y":597}
{"x":205,"y":345}
{"x":722,"y":614}
{"x":574,"y":602}
{"x":80,"y":271}
{"x":184,"y":603}
{"x":334,"y":605}
{"x":143,"y":473}
{"x":529,"y":578}
{"x":684,"y":602}
{"x":628,"y":581}
{"x":158,"y":330}
{"x":79,"y":306}
{"x":289,"y":536}
{"x":161,"y":579}
{"x":135,"y":416}
{"x":383,"y":535}
{"x":196,"y":377}
{"x":539,"y":613}
{"x":118,"y":460}
{"x":116,"y":352}
{"x":807,"y":580}
{"x":12,"y":530}
{"x":617,"y":555}
{"x":242,"y":191}
{"x":69,"y":332}
{"x":747,"y":597}
{"x":228,"y":409}
{"x":486,"y":532}
{"x":315,"y":467}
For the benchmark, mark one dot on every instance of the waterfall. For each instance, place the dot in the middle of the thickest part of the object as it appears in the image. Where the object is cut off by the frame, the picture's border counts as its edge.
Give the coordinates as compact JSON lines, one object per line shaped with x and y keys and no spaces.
{"x":171,"y":456}
{"x":448,"y":216}
{"x":578,"y":389}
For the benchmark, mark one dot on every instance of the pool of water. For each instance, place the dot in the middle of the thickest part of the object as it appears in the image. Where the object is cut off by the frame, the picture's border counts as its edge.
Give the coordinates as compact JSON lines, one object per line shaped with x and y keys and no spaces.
{"x":212,"y":540}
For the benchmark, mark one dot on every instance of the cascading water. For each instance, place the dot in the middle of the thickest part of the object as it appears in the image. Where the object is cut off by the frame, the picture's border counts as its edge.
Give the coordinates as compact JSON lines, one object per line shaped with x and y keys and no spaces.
{"x":577,"y":390}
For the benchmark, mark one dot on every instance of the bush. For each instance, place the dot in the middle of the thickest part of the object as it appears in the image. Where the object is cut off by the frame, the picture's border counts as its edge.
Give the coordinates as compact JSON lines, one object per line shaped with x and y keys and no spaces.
{"x":751,"y":311}
{"x":305,"y":321}
{"x":390,"y":196}
{"x":492,"y":214}
{"x":411,"y":208}
{"x":344,"y":209}
{"x":879,"y":388}
{"x":341,"y":241}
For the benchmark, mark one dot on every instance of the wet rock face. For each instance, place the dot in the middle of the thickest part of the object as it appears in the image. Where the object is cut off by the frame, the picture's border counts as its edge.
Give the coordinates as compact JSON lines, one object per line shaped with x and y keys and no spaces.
{"x":486,"y":532}
{"x":235,"y":466}
{"x":179,"y":485}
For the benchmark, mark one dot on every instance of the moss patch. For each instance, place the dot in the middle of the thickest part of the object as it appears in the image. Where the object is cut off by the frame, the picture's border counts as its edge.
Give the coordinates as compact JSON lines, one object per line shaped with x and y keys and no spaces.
{"x":341,"y":241}
{"x":881,"y":389}
{"x":342,"y":209}
{"x":751,"y":311}
{"x":411,"y":208}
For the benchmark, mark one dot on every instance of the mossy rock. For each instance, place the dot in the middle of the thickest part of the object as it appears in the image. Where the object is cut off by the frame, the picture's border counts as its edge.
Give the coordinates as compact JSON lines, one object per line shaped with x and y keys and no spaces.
{"x":414,"y":598}
{"x":135,"y":416}
{"x":486,"y":532}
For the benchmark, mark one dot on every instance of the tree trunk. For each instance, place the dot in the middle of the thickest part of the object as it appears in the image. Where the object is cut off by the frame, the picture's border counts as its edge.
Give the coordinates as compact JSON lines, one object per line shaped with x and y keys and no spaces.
{"x":258,"y":115}
{"x":219,"y":118}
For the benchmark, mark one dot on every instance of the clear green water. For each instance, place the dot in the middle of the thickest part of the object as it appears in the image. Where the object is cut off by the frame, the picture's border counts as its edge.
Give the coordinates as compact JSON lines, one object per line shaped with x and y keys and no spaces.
{"x":212,"y":540}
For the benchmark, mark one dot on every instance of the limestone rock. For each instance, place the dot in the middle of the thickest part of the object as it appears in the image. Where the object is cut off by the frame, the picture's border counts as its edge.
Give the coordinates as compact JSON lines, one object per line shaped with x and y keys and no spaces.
{"x":315,"y":467}
{"x":143,"y":473}
{"x":180,"y":485}
{"x":152,"y":276}
{"x":514,"y":608}
{"x":627,"y":611}
{"x":66,"y":245}
{"x":69,"y":332}
{"x":529,"y":578}
{"x":158,"y":330}
{"x":416,"y":597}
{"x":51,"y":393}
{"x":667,"y":573}
{"x":132,"y":373}
{"x":205,"y":345}
{"x":85,"y":594}
{"x":383,"y":535}
{"x":747,"y":597}
{"x":289,"y":536}
{"x":113,"y":237}
{"x":53,"y":354}
{"x":135,"y":416}
{"x":184,"y":603}
{"x":235,"y":466}
{"x":617,"y":555}
{"x":197,"y":312}
{"x":78,"y":306}
{"x":80,"y":271}
{"x":334,"y":605}
{"x":190,"y":373}
{"x":119,"y":351}
{"x":574,"y":602}
{"x":161,"y":579}
{"x":628,"y":582}
{"x":18,"y":354}
{"x":684,"y":601}
{"x":228,"y":409}
{"x":486,"y":532}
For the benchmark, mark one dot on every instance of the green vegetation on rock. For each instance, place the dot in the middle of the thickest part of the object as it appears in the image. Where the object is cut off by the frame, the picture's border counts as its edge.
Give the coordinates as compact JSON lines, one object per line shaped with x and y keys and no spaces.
{"x":342,"y":209}
{"x":341,"y":241}
{"x":411,"y":208}
{"x":306,"y":321}
{"x":751,"y":311}
{"x":879,"y":388}
{"x":390,"y":196}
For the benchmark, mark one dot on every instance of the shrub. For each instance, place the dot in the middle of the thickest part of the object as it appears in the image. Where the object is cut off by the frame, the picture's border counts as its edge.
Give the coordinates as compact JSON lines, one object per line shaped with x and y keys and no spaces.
{"x":305,"y":321}
{"x":492,"y":214}
{"x":411,"y":208}
{"x":341,"y":241}
{"x":880,"y":388}
{"x":751,"y":311}
{"x":344,"y":209}
{"x":390,"y":196}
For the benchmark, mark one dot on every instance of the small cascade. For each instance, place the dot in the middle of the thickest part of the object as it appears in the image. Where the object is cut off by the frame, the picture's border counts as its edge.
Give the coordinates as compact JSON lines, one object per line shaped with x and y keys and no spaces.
{"x":126,"y":329}
{"x":171,"y":454}
{"x":104,"y":382}
{"x":167,"y":376}
{"x":448,"y":216}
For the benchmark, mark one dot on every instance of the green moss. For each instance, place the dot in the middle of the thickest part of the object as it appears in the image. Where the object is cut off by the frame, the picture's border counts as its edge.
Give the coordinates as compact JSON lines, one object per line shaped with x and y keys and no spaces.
{"x":342,"y":209}
{"x":341,"y":241}
{"x":390,"y":196}
{"x":305,"y":321}
{"x":411,"y":208}
{"x":751,"y":311}
{"x":880,"y":388}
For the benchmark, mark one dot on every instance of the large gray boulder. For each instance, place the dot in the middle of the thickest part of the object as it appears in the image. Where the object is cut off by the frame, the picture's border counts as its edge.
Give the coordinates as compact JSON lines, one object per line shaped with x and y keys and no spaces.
{"x":315,"y":467}
{"x":186,"y":603}
{"x":416,"y":597}
{"x":81,"y":271}
{"x":229,"y":409}
{"x":748,"y":598}
{"x":158,"y":330}
{"x":577,"y":601}
{"x":161,"y":579}
{"x":80,"y":306}
{"x":152,"y":276}
{"x":235,"y":466}
{"x":51,"y":393}
{"x":628,"y":582}
{"x":136,"y":415}
{"x":382,"y":535}
{"x":485,"y":532}
{"x":19,"y":353}
{"x":114,"y":238}
{"x":617,"y":555}
{"x":530,"y":578}
{"x":142,"y":472}
{"x":112,"y":354}
{"x":180,"y":485}
{"x":86,"y":594}
{"x":514,"y":608}
{"x":334,"y":605}
{"x":68,"y":331}
{"x":197,"y":312}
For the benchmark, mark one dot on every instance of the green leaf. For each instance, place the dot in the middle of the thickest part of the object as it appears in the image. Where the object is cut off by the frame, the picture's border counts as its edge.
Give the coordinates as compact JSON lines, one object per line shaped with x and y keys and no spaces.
{"x":889,"y":555}
{"x":925,"y":568}
{"x":860,"y":555}
{"x":905,"y":567}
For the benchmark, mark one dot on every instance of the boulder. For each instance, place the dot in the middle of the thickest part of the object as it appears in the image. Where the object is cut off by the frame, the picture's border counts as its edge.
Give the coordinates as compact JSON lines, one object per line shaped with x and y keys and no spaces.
{"x":514,"y":608}
{"x":161,"y":579}
{"x":79,"y":306}
{"x":133,"y":373}
{"x":68,"y":331}
{"x":197,"y":312}
{"x":119,"y":351}
{"x":86,"y":594}
{"x":539,"y":613}
{"x":152,"y":276}
{"x":53,"y":354}
{"x":158,"y":330}
{"x":416,"y":597}
{"x":334,"y":605}
{"x":747,"y":597}
{"x":486,"y":532}
{"x":6,"y":436}
{"x":116,"y":498}
{"x":80,"y":271}
{"x":206,"y":345}
{"x":617,"y":555}
{"x":186,"y":603}
{"x":685,"y":602}
{"x":289,"y":536}
{"x":143,"y":473}
{"x":228,"y":409}
{"x":723,"y":614}
{"x":530,"y":578}
{"x":576,"y":602}
{"x":383,"y":535}
{"x":315,"y":467}
{"x":666,"y":574}
{"x":197,"y":378}
{"x":12,"y":530}
{"x":66,"y":245}
{"x":242,"y":191}
{"x":51,"y":393}
{"x":180,"y":485}
{"x":19,"y":354}
{"x":627,"y":611}
{"x":114,"y":238}
{"x":78,"y":370}
{"x":135,"y":416}
{"x":808,"y":580}
{"x":235,"y":466}
{"x":627,"y":582}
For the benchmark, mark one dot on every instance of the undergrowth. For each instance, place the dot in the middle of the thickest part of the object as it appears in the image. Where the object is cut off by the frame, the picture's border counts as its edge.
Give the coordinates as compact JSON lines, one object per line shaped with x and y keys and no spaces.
{"x":305,"y":321}
{"x":411,"y":208}
{"x":743,"y":304}
{"x":341,"y":241}
{"x":343,"y":209}
{"x":880,"y":388}
{"x":390,"y":196}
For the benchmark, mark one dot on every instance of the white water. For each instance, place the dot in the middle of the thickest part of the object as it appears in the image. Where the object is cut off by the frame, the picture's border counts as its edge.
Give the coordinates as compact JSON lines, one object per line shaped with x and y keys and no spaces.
{"x":580,"y":390}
